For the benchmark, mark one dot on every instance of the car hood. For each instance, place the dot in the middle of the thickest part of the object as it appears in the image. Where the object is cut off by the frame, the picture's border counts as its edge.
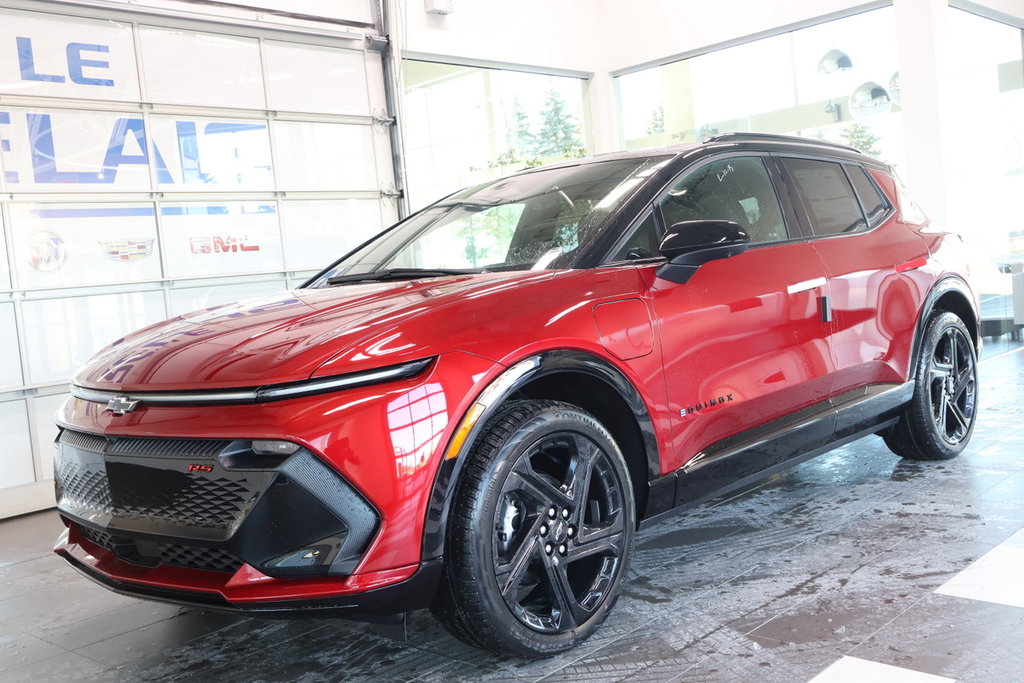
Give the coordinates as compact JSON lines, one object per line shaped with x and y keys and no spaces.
{"x":288,"y":336}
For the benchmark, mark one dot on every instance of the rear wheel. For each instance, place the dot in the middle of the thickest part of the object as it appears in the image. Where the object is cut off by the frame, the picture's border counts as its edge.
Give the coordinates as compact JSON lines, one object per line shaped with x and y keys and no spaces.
{"x":540,"y":534}
{"x":939,"y":420}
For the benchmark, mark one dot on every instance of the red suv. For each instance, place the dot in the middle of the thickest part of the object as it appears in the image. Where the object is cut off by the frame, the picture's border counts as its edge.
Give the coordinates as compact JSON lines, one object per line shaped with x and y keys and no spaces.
{"x":475,"y":410}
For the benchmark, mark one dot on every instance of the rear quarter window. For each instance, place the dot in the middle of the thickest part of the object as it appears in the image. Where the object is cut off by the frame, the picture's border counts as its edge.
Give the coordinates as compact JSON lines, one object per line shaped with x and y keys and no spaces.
{"x":826,"y":195}
{"x":876,"y":206}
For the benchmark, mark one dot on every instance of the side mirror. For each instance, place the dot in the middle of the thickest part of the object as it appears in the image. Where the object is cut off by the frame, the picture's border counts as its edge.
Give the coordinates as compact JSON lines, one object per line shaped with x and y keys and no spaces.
{"x":690,"y":244}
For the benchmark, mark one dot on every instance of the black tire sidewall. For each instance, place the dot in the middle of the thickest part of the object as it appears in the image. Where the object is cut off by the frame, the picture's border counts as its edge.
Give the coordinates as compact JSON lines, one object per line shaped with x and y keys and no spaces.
{"x":483,"y":499}
{"x":919,"y":414}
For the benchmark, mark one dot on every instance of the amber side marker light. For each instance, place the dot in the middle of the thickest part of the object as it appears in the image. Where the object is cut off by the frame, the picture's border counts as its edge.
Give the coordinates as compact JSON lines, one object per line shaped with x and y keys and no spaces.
{"x":464,"y":429}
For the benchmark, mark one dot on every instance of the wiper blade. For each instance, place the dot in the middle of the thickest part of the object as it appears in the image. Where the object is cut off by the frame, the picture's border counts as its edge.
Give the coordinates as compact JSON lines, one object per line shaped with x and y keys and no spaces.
{"x":400,"y":274}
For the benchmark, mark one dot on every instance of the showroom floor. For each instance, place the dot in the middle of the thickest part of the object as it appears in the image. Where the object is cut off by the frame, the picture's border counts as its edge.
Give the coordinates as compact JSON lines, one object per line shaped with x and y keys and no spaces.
{"x":838,"y":570}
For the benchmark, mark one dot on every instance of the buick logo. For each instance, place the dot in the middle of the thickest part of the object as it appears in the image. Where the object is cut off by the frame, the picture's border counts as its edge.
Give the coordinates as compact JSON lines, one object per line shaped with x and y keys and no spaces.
{"x":119,"y":405}
{"x":46,"y":251}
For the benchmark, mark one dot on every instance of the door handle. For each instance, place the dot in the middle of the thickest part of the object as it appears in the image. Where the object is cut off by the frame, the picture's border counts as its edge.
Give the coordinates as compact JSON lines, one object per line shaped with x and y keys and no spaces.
{"x":805,"y":285}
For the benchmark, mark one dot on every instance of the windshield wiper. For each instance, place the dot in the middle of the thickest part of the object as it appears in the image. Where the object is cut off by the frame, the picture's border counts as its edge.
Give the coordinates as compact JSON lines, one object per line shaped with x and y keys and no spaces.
{"x":400,"y":274}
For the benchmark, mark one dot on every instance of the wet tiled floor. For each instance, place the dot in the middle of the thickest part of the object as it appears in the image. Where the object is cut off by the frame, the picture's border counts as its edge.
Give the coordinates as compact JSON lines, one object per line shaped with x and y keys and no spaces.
{"x":853,"y":566}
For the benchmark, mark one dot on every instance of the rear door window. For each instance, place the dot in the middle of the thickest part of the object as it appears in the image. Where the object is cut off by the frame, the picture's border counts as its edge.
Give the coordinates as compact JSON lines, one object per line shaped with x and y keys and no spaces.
{"x":827,"y":196}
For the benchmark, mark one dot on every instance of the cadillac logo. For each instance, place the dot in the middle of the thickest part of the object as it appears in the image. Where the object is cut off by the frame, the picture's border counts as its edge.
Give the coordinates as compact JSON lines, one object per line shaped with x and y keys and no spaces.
{"x":46,"y":251}
{"x":119,"y":405}
{"x":127,"y":250}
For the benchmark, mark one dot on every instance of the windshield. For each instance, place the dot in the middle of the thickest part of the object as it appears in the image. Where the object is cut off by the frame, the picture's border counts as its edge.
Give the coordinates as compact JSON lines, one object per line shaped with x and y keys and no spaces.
{"x":531,"y":221}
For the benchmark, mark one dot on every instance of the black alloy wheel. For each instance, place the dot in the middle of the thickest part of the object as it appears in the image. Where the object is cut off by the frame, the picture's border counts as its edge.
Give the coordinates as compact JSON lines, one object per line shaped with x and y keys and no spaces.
{"x":939,"y":420}
{"x":540,"y":534}
{"x":952,"y":380}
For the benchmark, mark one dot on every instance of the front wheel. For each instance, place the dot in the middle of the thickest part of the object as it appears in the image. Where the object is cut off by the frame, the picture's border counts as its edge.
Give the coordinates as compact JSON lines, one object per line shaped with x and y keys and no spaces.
{"x":939,"y":420}
{"x":540,"y":533}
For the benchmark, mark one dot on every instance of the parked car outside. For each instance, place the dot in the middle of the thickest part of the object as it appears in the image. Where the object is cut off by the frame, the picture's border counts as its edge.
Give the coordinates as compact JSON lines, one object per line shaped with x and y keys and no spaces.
{"x":476,"y":410}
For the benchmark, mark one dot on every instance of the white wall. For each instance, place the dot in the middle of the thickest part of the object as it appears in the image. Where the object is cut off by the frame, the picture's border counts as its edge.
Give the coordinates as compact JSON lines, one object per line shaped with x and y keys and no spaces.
{"x":555,"y":36}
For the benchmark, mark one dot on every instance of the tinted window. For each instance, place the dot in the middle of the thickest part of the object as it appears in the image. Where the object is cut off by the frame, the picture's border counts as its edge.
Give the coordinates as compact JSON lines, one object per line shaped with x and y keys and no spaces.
{"x":643,"y":244}
{"x":875,"y":205}
{"x":826,"y":196}
{"x":737,"y":189}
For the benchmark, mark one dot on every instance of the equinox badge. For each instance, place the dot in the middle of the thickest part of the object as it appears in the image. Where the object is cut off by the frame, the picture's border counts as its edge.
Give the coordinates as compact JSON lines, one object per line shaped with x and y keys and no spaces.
{"x":119,"y":405}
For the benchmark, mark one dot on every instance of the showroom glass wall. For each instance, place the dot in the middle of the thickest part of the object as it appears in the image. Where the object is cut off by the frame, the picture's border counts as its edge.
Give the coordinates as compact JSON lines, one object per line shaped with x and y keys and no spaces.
{"x":987,"y":114}
{"x":149,"y":170}
{"x":465,"y":124}
{"x":839,"y":81}
{"x":835,"y":81}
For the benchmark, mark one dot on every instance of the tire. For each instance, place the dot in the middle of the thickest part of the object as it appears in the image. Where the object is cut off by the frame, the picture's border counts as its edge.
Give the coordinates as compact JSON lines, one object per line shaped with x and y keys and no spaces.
{"x":540,"y":533}
{"x":939,"y":420}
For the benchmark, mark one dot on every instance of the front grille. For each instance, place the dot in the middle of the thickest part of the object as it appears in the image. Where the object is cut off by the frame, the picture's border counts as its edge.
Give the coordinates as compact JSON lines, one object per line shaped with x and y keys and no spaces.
{"x":84,"y":485}
{"x":202,"y":502}
{"x":144,"y":447}
{"x":167,"y":448}
{"x":152,"y":554}
{"x":145,"y":481}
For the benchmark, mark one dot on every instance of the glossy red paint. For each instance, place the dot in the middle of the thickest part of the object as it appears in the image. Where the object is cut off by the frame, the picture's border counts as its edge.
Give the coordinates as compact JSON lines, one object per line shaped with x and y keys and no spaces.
{"x":386,"y":440}
{"x":744,"y":342}
{"x":247,"y":585}
{"x":737,"y":329}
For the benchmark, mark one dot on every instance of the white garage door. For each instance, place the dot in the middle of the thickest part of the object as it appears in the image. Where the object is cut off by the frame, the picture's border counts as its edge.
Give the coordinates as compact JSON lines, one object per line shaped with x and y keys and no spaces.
{"x":154,"y":164}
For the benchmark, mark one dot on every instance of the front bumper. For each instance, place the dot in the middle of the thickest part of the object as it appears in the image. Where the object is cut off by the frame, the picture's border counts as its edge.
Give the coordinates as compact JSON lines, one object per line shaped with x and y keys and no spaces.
{"x":403,"y":590}
{"x":197,"y":518}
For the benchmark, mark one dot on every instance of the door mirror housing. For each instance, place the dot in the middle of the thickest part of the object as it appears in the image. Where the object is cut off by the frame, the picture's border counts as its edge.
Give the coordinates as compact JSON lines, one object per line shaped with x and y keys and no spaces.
{"x":690,"y":244}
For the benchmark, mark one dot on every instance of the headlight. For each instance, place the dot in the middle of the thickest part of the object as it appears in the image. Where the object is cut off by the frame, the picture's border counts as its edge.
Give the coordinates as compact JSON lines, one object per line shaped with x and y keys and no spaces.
{"x":121,"y":402}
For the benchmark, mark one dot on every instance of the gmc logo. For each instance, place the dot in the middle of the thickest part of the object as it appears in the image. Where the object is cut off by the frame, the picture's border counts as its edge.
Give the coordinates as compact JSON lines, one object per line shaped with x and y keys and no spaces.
{"x":220,"y":245}
{"x":199,"y":468}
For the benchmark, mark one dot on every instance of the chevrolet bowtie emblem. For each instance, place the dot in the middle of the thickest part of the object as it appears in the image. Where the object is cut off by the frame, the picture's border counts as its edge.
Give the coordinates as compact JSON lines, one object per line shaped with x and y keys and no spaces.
{"x":119,"y":405}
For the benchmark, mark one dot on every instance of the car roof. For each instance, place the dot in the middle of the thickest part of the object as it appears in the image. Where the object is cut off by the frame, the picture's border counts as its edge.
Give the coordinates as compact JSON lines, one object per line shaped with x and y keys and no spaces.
{"x":729,"y":140}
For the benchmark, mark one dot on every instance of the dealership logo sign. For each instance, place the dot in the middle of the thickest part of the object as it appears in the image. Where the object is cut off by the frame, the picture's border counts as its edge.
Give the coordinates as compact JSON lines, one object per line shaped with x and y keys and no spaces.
{"x":46,"y":251}
{"x":127,"y":250}
{"x":220,"y":245}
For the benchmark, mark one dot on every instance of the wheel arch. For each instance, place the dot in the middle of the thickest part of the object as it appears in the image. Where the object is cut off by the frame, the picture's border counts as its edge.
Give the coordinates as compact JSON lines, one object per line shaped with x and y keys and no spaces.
{"x":948,"y":294}
{"x":595,"y":385}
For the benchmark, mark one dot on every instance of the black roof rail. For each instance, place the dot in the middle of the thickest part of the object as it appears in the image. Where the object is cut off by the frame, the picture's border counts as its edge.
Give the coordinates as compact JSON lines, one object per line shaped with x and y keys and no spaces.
{"x":735,"y":136}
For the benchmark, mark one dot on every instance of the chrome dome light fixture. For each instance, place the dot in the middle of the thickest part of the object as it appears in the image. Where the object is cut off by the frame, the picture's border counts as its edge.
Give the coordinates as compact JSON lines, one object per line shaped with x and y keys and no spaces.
{"x":869,"y":99}
{"x":894,"y":89}
{"x":833,"y":61}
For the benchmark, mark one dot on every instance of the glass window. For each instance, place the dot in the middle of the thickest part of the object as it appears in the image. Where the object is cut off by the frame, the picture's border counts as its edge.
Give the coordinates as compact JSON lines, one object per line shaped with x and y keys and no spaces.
{"x":466,"y":125}
{"x":835,"y":81}
{"x":5,"y":274}
{"x":76,"y":151}
{"x":73,"y":245}
{"x":644,"y":243}
{"x":871,"y":198}
{"x":10,"y":359}
{"x":62,"y":334}
{"x":530,"y":221}
{"x":221,"y":238}
{"x":324,"y":156}
{"x":188,"y":299}
{"x":317,"y":232}
{"x":205,"y":69}
{"x":337,"y":85}
{"x":54,"y":56}
{"x":45,"y":408}
{"x":826,"y":196}
{"x":16,"y":458}
{"x":211,"y":154}
{"x":476,"y":239}
{"x":737,"y":189}
{"x":987,"y":76}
